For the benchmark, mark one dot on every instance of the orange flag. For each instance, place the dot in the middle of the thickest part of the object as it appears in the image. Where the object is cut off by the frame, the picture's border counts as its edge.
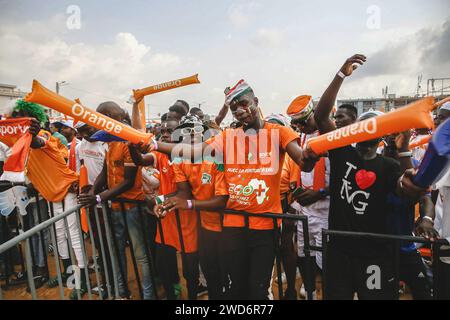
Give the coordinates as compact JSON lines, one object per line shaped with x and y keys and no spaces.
{"x":14,"y":167}
{"x":12,"y":129}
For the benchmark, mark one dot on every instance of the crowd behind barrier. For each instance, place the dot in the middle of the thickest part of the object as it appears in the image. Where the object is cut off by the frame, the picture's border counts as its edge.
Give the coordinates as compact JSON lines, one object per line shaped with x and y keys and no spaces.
{"x":99,"y":245}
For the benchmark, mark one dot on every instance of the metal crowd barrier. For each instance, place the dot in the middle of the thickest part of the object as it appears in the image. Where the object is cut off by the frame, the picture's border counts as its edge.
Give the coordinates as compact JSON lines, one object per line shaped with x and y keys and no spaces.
{"x":108,"y":283}
{"x":435,"y":245}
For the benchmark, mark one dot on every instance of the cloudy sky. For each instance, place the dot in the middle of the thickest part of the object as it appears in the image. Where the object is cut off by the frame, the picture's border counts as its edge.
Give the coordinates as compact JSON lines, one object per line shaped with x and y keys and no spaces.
{"x":282,"y":48}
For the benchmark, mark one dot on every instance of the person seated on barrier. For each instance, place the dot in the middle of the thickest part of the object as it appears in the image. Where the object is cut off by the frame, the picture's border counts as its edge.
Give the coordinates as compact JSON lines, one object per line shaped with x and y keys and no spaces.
{"x":288,"y":181}
{"x":167,"y":237}
{"x":254,"y":186}
{"x":202,"y":188}
{"x":436,"y":223}
{"x":401,"y":222}
{"x":50,"y":175}
{"x":119,"y":180}
{"x":312,"y":194}
{"x":360,"y":182}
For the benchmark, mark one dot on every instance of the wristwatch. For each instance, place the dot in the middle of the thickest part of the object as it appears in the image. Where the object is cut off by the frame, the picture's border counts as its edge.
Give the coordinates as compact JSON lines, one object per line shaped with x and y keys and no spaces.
{"x":98,"y":199}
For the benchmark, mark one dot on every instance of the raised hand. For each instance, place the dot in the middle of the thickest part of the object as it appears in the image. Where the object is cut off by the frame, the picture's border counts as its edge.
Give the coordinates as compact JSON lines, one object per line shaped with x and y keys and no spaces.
{"x":352,"y":64}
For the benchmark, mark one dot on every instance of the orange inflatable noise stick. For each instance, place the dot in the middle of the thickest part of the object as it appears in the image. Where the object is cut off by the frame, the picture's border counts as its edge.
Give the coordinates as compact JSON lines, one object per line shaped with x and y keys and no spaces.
{"x":414,"y":115}
{"x":83,"y":183}
{"x":140,"y":93}
{"x":420,"y":142}
{"x":44,"y":96}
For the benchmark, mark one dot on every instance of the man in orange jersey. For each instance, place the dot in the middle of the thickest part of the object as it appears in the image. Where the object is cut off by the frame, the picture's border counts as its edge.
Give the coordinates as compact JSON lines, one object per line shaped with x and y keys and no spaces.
{"x":253,"y":156}
{"x":202,"y":187}
{"x":120,"y":176}
{"x":168,"y":238}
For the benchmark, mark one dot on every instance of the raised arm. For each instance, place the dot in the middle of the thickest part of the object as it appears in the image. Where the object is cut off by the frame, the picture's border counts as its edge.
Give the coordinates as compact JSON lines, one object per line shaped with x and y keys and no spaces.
{"x":323,"y":110}
{"x":222,"y":114}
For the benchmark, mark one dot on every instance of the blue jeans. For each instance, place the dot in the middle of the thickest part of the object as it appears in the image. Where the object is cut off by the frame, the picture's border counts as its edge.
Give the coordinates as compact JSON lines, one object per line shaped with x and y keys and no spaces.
{"x":135,"y":225}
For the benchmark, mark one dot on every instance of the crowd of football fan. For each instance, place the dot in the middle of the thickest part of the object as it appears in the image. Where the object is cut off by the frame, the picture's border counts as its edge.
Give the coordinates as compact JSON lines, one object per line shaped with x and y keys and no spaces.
{"x":366,"y":187}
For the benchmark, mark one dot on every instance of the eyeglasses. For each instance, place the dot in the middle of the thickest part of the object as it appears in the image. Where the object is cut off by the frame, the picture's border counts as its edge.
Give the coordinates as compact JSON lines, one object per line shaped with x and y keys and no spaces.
{"x":194,"y":130}
{"x":166,"y":130}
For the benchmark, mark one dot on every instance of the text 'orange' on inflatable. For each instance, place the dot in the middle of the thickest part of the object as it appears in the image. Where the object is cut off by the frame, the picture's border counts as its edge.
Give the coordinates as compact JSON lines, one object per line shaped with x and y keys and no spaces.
{"x":140,"y":93}
{"x":414,"y":115}
{"x":44,"y":96}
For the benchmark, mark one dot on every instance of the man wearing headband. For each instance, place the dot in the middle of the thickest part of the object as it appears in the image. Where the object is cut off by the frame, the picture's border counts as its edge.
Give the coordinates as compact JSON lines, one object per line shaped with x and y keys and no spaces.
{"x":254,"y":185}
{"x":360,"y":181}
{"x":312,"y":196}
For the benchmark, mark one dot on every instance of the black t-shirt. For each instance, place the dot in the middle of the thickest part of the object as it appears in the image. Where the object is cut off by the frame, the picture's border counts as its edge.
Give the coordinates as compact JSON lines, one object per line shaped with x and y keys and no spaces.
{"x":359,"y":199}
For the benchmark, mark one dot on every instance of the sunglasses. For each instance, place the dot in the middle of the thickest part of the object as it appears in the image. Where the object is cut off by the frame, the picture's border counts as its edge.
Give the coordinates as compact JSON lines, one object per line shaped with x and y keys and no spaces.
{"x":301,"y":122}
{"x":194,"y":130}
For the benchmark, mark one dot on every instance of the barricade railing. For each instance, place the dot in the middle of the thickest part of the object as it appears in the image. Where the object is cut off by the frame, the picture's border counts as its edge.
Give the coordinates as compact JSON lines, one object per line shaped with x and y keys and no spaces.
{"x":105,"y":244}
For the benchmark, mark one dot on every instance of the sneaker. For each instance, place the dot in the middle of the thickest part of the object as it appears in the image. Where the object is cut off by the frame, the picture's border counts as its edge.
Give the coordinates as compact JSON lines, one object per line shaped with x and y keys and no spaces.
{"x":74,"y":293}
{"x":177,"y":290}
{"x":201,"y":290}
{"x":303,"y":292}
{"x":19,"y":278}
{"x":53,"y":283}
{"x":39,"y":281}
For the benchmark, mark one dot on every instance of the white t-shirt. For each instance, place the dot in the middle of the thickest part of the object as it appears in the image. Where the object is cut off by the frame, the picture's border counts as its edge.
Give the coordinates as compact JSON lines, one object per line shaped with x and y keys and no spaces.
{"x":442,"y":209}
{"x":93,"y":155}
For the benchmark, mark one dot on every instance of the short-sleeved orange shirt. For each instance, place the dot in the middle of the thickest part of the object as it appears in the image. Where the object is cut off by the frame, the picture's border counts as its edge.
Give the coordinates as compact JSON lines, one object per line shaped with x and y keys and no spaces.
{"x":207,"y":180}
{"x":253,"y":165}
{"x":289,"y":175}
{"x":117,"y":158}
{"x":188,"y":218}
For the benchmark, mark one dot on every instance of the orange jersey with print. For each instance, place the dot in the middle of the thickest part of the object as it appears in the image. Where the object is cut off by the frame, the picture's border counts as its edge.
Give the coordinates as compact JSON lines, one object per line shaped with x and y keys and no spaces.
{"x":253,"y":165}
{"x":48,"y":171}
{"x":207,"y":180}
{"x":117,"y":158}
{"x":188,"y":219}
{"x":289,"y":175}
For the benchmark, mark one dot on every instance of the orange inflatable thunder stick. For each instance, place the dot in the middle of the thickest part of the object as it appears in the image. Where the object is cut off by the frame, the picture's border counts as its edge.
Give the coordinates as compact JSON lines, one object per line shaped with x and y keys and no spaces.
{"x":420,"y":142}
{"x":141,"y":93}
{"x":83,"y":183}
{"x":44,"y":96}
{"x":415,"y":115}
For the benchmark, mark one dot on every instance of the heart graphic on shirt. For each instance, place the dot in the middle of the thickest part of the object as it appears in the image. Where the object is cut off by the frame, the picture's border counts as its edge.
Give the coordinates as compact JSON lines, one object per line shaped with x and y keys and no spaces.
{"x":365,"y":179}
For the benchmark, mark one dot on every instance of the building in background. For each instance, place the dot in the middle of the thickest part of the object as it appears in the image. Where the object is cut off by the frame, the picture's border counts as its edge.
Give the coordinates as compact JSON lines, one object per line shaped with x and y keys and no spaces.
{"x":438,"y":88}
{"x":8,"y":93}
